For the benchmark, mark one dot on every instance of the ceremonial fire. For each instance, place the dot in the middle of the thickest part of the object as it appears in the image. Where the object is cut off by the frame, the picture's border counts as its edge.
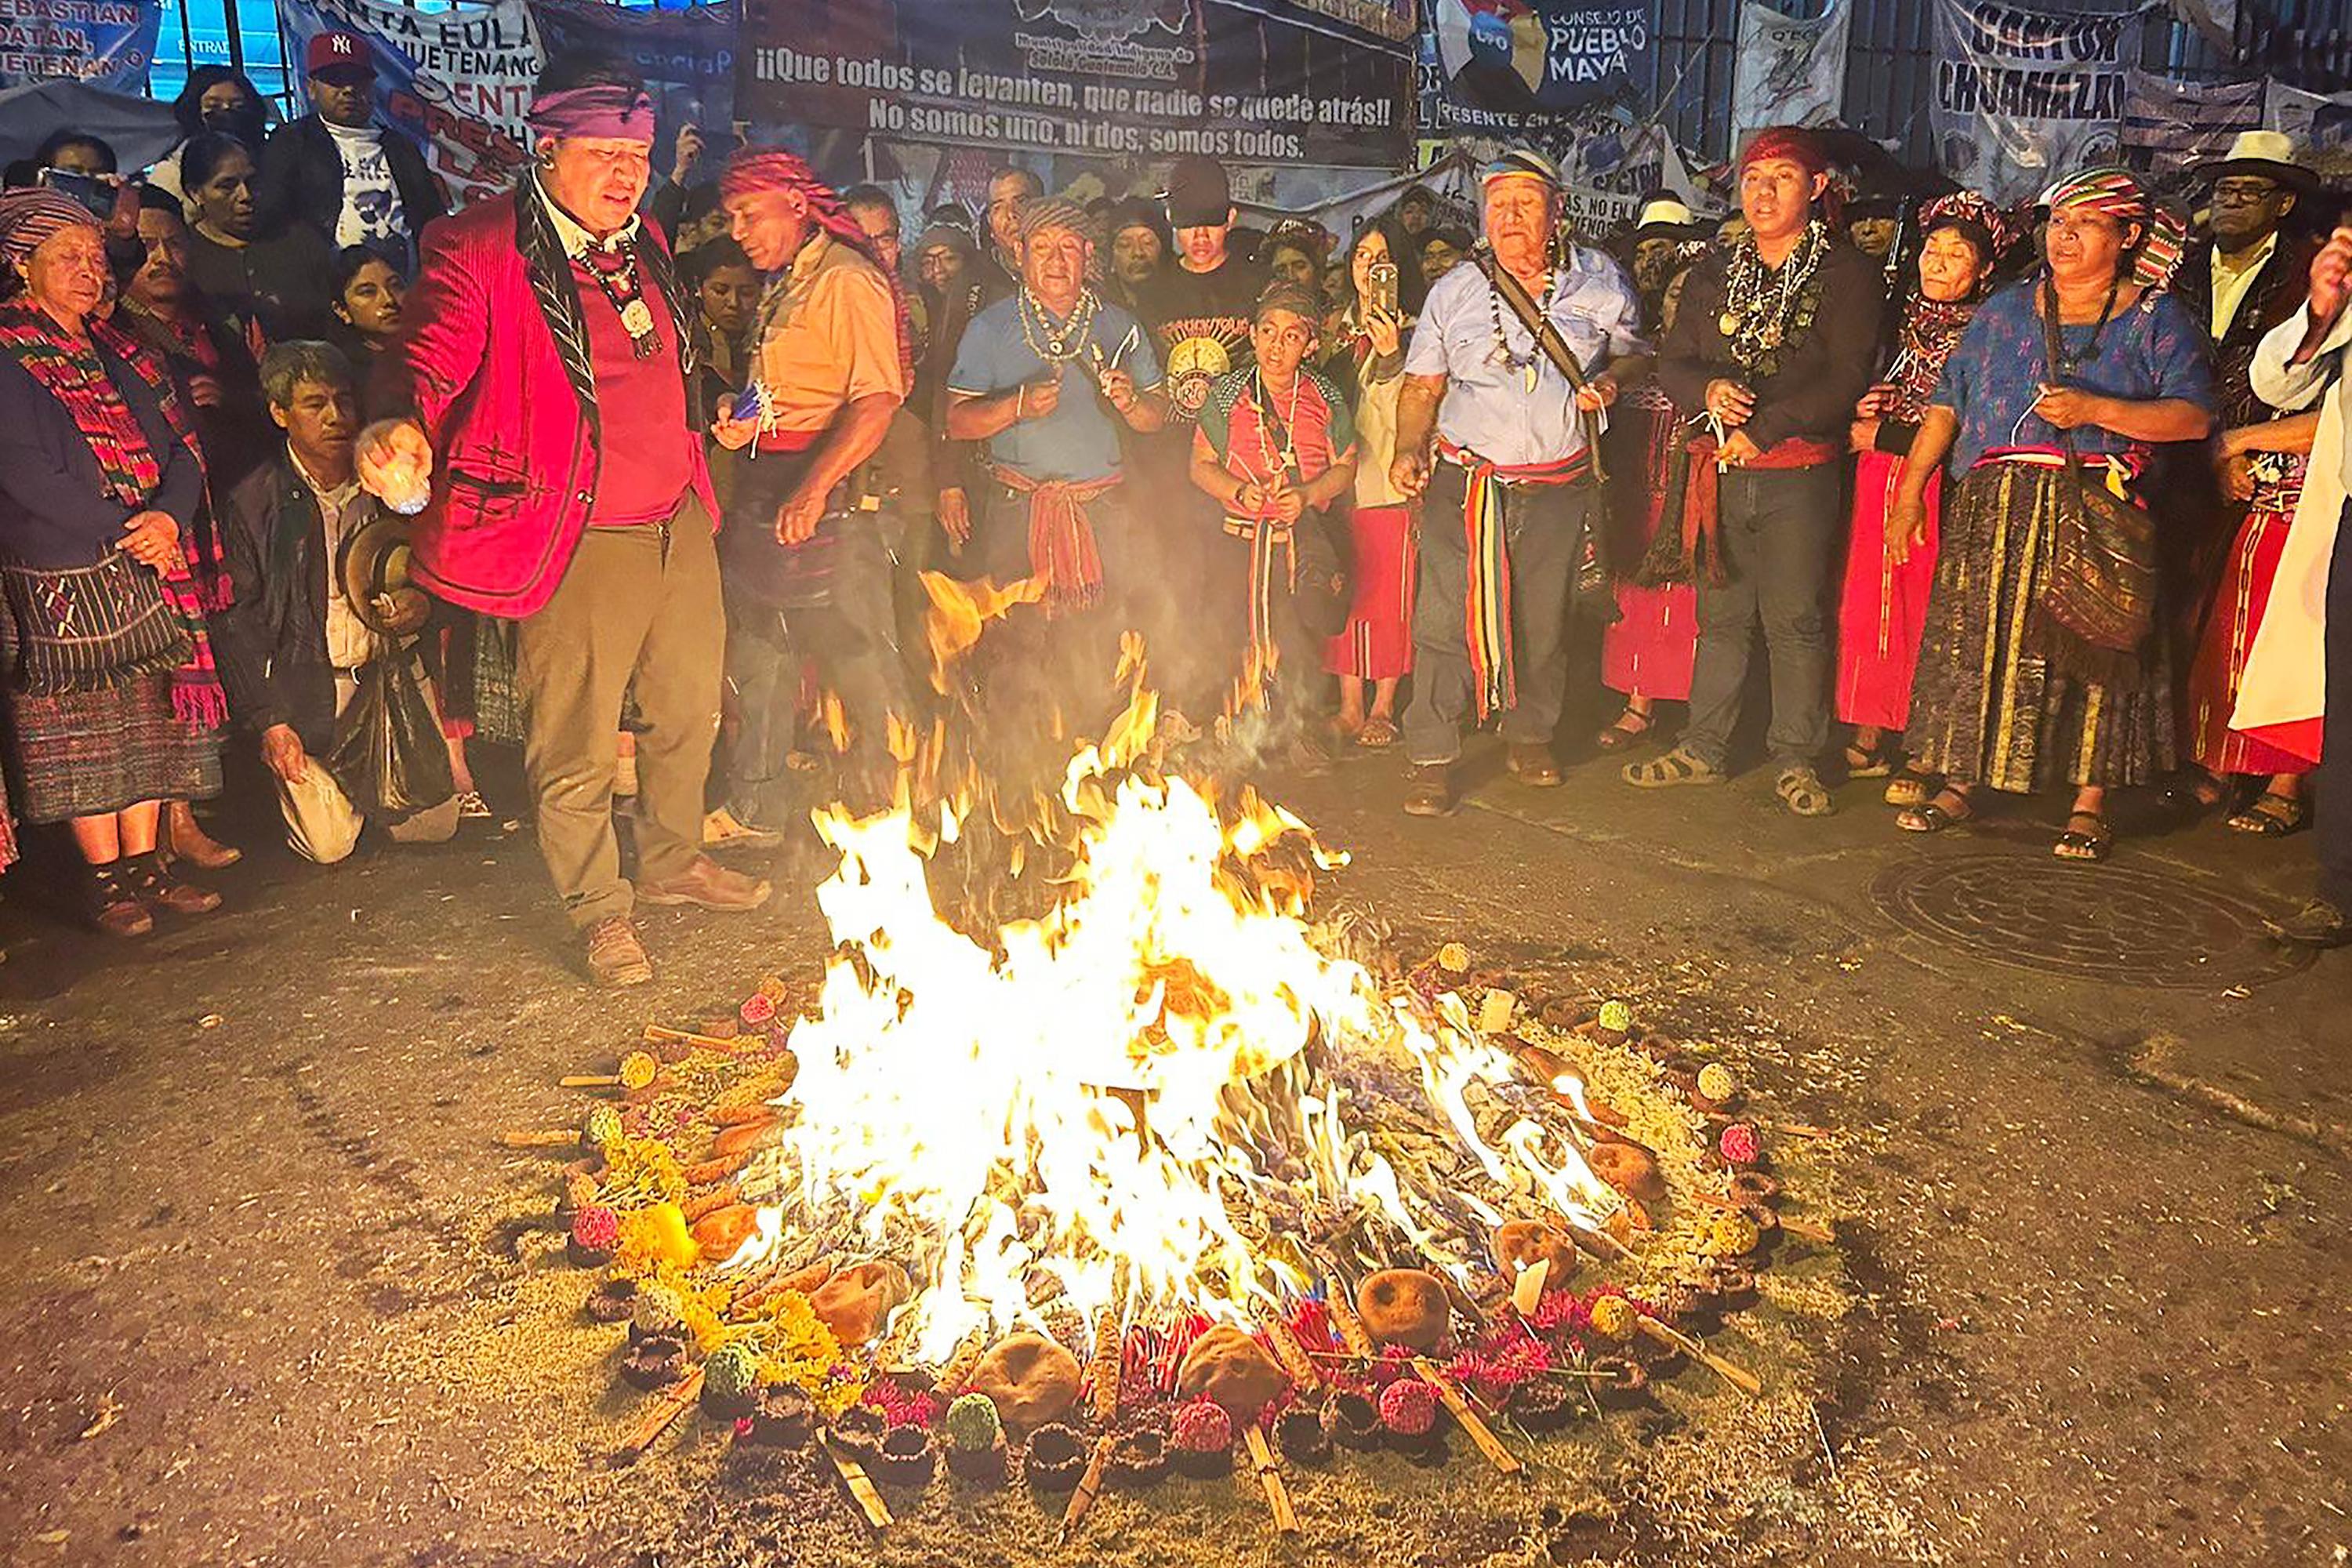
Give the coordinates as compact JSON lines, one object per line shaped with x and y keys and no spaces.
{"x":1141,"y":1100}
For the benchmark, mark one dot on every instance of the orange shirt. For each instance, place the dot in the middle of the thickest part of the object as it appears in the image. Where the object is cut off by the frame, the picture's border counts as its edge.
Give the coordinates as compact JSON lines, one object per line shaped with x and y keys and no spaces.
{"x":829,"y":336}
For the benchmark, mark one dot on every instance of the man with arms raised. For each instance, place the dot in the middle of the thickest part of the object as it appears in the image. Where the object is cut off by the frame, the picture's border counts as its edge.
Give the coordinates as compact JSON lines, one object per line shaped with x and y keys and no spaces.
{"x":551,"y":380}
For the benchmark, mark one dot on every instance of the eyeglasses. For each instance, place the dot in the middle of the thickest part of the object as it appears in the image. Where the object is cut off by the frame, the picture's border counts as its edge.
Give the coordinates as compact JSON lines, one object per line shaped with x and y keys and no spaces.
{"x":2244,"y":192}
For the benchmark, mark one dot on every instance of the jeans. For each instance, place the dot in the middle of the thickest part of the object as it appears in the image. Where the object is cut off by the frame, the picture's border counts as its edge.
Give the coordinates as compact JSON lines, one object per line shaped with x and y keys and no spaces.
{"x":1543,"y":531}
{"x":1779,"y":538}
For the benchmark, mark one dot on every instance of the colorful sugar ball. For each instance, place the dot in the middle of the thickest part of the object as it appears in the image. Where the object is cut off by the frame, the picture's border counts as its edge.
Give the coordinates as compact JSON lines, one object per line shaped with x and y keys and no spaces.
{"x":732,"y":1370}
{"x":1614,"y":1318}
{"x":596,"y":1228}
{"x":658,"y":1310}
{"x":758,"y":1008}
{"x":638,"y":1069}
{"x":1733,"y":1236}
{"x":603,"y":1126}
{"x":1616,"y":1017}
{"x":1409,"y":1407}
{"x":1739,"y":1145}
{"x":1453,"y":958}
{"x":972,"y":1422}
{"x":1717,"y":1083}
{"x":1201,"y":1428}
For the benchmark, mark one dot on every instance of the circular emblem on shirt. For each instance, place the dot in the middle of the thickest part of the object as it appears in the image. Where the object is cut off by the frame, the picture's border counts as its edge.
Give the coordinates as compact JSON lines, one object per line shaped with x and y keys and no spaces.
{"x":1193,"y":366}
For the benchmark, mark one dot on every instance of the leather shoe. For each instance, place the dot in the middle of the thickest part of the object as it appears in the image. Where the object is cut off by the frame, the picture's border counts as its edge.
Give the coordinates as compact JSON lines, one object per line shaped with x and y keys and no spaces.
{"x":708,"y":885}
{"x":615,"y":956}
{"x":1534,"y":764}
{"x":112,"y":907}
{"x":722,"y":829}
{"x":1429,"y":790}
{"x":148,"y":881}
{"x":189,"y":842}
{"x":2318,"y":923}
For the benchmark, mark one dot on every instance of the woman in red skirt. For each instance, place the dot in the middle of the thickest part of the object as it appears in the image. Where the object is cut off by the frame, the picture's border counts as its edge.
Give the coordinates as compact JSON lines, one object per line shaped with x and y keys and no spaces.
{"x":2263,"y":465}
{"x":1884,"y":607}
{"x":1374,"y":651}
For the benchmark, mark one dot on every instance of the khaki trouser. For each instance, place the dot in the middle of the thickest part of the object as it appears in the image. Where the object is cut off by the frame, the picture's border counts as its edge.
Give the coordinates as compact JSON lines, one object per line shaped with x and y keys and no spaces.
{"x":637,"y":607}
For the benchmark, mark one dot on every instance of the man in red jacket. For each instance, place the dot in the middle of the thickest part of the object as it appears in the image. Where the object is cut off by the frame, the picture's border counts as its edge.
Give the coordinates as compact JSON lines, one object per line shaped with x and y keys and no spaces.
{"x":553,"y":398}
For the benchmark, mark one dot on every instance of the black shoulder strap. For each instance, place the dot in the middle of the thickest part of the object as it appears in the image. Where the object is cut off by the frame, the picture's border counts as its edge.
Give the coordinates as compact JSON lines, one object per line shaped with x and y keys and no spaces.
{"x":1554,"y":347}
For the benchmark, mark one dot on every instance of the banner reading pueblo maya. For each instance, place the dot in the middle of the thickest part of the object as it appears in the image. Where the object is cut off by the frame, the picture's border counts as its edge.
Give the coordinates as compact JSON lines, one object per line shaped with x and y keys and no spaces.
{"x":1252,"y":81}
{"x":1502,"y":66}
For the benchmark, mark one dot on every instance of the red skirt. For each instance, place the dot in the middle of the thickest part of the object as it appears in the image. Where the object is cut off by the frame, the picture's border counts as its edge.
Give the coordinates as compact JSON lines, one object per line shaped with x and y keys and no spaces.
{"x":1647,"y":651}
{"x":2212,"y":695}
{"x":1377,"y":642}
{"x":1883,"y":607}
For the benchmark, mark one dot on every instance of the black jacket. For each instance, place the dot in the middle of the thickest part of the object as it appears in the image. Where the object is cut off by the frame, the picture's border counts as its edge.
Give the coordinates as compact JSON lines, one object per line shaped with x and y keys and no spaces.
{"x":301,"y":180}
{"x":272,"y":642}
{"x":1821,"y":376}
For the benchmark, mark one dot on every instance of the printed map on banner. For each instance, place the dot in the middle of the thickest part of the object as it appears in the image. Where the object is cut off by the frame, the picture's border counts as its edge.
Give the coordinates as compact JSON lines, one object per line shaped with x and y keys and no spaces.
{"x":1500,"y":66}
{"x":458,"y":80}
{"x":107,"y":43}
{"x":1792,"y":69}
{"x":2172,"y":124}
{"x":2023,"y":96}
{"x":1264,"y":81}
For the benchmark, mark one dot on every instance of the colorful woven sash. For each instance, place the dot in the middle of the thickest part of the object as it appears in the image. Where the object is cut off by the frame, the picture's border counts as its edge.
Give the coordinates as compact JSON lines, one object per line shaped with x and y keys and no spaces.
{"x":1486,"y":610}
{"x":1062,"y":551}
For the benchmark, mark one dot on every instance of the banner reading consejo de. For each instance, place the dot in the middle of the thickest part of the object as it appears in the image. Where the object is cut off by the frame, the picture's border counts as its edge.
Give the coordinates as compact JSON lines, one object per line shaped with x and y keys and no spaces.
{"x":1252,"y":81}
{"x":2023,"y":96}
{"x":458,"y":80}
{"x":1504,"y":65}
{"x":107,"y":43}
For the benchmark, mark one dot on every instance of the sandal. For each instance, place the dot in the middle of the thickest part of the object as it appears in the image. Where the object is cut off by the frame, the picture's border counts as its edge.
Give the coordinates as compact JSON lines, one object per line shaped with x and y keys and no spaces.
{"x":2092,"y":845}
{"x":1677,"y":767}
{"x":2192,"y":794}
{"x":1870,"y":762}
{"x":1910,"y":788}
{"x":1800,"y":789}
{"x":1935,"y":815}
{"x":1629,"y":727}
{"x":1378,"y":733}
{"x":2271,"y":816}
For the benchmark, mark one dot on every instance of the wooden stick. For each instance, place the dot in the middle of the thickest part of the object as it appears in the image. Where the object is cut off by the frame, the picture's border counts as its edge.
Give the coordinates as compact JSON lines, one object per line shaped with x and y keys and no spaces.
{"x":1489,"y":1444}
{"x":1731,"y":1371}
{"x":1343,"y":1315}
{"x":1278,"y":1496}
{"x":520,"y":1138}
{"x":1495,"y":1011}
{"x":1293,"y":1354}
{"x":861,"y":1488}
{"x":658,"y":1035}
{"x":1598,"y":1241}
{"x":657,"y":1420}
{"x":1090,"y":1485}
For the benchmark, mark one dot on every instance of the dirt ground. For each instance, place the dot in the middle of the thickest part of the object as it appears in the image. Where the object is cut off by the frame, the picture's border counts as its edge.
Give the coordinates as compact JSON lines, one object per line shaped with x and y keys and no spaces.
{"x":272,"y":1296}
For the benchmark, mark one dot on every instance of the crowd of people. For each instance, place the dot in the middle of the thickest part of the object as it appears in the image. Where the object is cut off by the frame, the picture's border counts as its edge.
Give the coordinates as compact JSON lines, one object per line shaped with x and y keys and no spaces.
{"x":642,"y":475}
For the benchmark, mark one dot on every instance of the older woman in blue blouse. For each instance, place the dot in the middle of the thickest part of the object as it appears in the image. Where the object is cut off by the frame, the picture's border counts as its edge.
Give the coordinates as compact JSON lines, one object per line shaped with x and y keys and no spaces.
{"x":2010,"y":696}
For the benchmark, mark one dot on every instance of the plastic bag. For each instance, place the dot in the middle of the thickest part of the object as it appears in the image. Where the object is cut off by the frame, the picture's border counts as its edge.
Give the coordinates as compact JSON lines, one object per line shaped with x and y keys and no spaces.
{"x":388,"y":753}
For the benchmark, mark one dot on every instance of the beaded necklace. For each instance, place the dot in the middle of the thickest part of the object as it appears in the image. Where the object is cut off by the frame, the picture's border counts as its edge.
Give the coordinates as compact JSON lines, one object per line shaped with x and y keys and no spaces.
{"x":1285,"y":461}
{"x":1521,"y":364}
{"x":1058,"y":347}
{"x":623,"y":285}
{"x":1764,"y":310}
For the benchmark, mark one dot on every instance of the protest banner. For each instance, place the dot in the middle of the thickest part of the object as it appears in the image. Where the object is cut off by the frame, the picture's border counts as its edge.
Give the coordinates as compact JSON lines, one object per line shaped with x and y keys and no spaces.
{"x":1151,"y":78}
{"x":2313,"y":122}
{"x":457,"y":80}
{"x":107,"y":43}
{"x":2169,"y":124}
{"x":1504,"y":66}
{"x":1790,"y":70}
{"x":2022,"y":96}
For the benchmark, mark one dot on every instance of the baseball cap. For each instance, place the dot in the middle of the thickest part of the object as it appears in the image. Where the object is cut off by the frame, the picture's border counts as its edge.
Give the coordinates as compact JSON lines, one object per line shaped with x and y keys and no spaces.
{"x":1199,"y":193}
{"x":334,"y":54}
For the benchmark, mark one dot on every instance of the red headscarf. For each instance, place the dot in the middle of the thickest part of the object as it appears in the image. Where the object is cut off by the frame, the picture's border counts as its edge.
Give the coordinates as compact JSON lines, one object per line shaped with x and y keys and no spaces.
{"x":771,"y":169}
{"x":1802,"y":148}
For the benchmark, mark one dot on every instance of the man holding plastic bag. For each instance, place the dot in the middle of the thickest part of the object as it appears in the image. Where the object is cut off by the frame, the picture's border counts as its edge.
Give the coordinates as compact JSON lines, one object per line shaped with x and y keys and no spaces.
{"x":319,"y":651}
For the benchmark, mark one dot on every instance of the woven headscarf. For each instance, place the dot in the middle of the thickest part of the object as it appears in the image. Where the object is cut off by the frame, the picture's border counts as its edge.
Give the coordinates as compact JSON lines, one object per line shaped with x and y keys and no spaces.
{"x":752,"y":171}
{"x":605,"y":110}
{"x":2117,"y":194}
{"x":1980,"y":222}
{"x":1039,"y":213}
{"x":30,"y":215}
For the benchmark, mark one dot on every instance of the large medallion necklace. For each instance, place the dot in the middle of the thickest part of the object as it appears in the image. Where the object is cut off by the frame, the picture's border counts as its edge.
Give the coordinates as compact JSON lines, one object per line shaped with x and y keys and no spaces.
{"x":1761,"y":307}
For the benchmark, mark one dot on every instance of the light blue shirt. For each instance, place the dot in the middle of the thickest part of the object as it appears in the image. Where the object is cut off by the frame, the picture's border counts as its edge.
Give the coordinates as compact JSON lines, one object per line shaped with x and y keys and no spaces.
{"x":1488,"y":406}
{"x":1078,"y":441}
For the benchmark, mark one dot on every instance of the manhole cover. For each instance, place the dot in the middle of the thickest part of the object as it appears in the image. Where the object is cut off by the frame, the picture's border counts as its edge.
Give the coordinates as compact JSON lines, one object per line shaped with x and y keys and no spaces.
{"x":2107,"y":922}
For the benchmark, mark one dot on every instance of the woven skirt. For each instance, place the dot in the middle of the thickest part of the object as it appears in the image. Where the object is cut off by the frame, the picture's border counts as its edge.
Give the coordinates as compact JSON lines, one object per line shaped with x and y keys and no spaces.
{"x":85,"y":754}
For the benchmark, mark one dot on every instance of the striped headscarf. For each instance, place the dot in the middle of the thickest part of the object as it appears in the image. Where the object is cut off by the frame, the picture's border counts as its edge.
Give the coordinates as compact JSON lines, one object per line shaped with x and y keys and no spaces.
{"x":30,"y":216}
{"x":1977,"y":219}
{"x":754,"y":170}
{"x":2118,"y":193}
{"x":1039,"y":213}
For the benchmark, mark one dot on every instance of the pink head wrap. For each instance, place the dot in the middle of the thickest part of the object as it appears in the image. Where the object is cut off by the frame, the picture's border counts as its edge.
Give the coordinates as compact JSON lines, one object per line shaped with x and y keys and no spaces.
{"x":601,"y":110}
